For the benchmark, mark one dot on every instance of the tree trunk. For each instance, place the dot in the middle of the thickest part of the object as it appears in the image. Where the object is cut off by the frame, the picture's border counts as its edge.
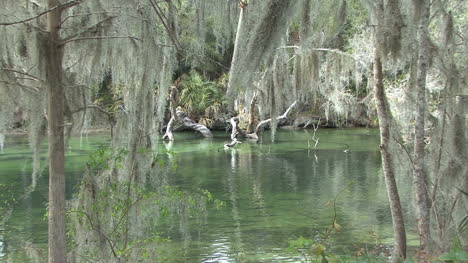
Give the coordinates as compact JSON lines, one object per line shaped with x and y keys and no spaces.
{"x":383,"y":112}
{"x":235,"y":54}
{"x":253,"y":103}
{"x":56,"y":97}
{"x":420,"y":180}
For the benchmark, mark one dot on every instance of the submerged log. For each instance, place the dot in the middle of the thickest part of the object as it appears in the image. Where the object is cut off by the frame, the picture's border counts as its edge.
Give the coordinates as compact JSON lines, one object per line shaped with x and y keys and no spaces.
{"x":284,"y":116}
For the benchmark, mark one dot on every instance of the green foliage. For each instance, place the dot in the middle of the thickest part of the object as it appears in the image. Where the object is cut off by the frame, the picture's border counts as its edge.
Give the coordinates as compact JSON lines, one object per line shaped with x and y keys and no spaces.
{"x":107,"y":210}
{"x":356,"y":20}
{"x":464,"y":222}
{"x":7,"y":199}
{"x":100,"y":159}
{"x":202,"y":98}
{"x":317,"y":252}
{"x":455,"y":255}
{"x":309,"y":249}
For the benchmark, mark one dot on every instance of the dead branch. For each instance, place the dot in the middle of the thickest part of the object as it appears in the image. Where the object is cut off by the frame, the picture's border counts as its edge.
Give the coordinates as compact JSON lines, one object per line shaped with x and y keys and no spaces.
{"x":30,"y":88}
{"x":234,"y":132}
{"x":93,"y":106}
{"x":97,"y":38}
{"x":268,"y":121}
{"x":22,"y":73}
{"x":163,"y":19}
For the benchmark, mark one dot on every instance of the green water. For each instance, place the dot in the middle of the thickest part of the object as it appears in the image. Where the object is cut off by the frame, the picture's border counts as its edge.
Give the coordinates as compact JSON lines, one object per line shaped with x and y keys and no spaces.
{"x":273,"y":193}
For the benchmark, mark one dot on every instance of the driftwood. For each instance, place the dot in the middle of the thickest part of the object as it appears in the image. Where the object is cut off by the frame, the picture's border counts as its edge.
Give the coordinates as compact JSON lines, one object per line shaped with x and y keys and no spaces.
{"x":254,"y":135}
{"x":181,"y":117}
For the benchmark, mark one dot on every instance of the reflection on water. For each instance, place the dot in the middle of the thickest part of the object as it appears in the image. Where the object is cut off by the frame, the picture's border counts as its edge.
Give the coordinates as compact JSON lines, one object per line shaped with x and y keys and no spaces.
{"x":273,"y":193}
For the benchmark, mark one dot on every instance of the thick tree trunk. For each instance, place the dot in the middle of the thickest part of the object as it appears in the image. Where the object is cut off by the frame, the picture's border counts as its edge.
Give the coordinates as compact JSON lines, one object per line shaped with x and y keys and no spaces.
{"x":420,"y":180}
{"x":385,"y":118}
{"x":56,"y":97}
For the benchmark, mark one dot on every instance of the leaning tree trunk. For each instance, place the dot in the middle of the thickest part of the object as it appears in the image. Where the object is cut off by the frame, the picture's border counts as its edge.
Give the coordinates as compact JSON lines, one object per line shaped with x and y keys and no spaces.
{"x":385,"y":118}
{"x":56,"y":97}
{"x":420,"y":180}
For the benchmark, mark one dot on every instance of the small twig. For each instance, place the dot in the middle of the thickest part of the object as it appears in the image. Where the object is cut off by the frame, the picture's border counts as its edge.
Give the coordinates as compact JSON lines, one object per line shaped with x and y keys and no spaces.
{"x":35,"y":89}
{"x":93,"y":106}
{"x":97,"y":230}
{"x":78,"y":86}
{"x":404,"y":148}
{"x":98,"y":38}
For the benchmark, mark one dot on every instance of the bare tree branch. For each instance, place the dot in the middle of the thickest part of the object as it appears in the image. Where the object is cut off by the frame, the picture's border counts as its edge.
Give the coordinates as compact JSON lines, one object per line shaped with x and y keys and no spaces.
{"x":94,"y":27}
{"x":161,"y":16}
{"x":254,"y":135}
{"x":93,"y":106}
{"x":22,"y":73}
{"x":35,"y":89}
{"x":62,"y":6}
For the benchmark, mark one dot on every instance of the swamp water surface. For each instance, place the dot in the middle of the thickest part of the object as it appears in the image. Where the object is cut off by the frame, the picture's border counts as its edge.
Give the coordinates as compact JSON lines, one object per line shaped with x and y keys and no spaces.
{"x":273,"y":193}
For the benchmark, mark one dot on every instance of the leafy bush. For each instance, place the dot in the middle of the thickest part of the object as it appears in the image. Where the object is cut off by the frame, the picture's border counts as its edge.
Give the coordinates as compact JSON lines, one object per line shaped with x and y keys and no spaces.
{"x":201,"y":98}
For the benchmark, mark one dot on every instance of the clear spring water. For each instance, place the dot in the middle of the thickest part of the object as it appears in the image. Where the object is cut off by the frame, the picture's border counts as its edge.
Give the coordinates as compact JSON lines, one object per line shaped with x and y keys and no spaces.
{"x":273,"y":193}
